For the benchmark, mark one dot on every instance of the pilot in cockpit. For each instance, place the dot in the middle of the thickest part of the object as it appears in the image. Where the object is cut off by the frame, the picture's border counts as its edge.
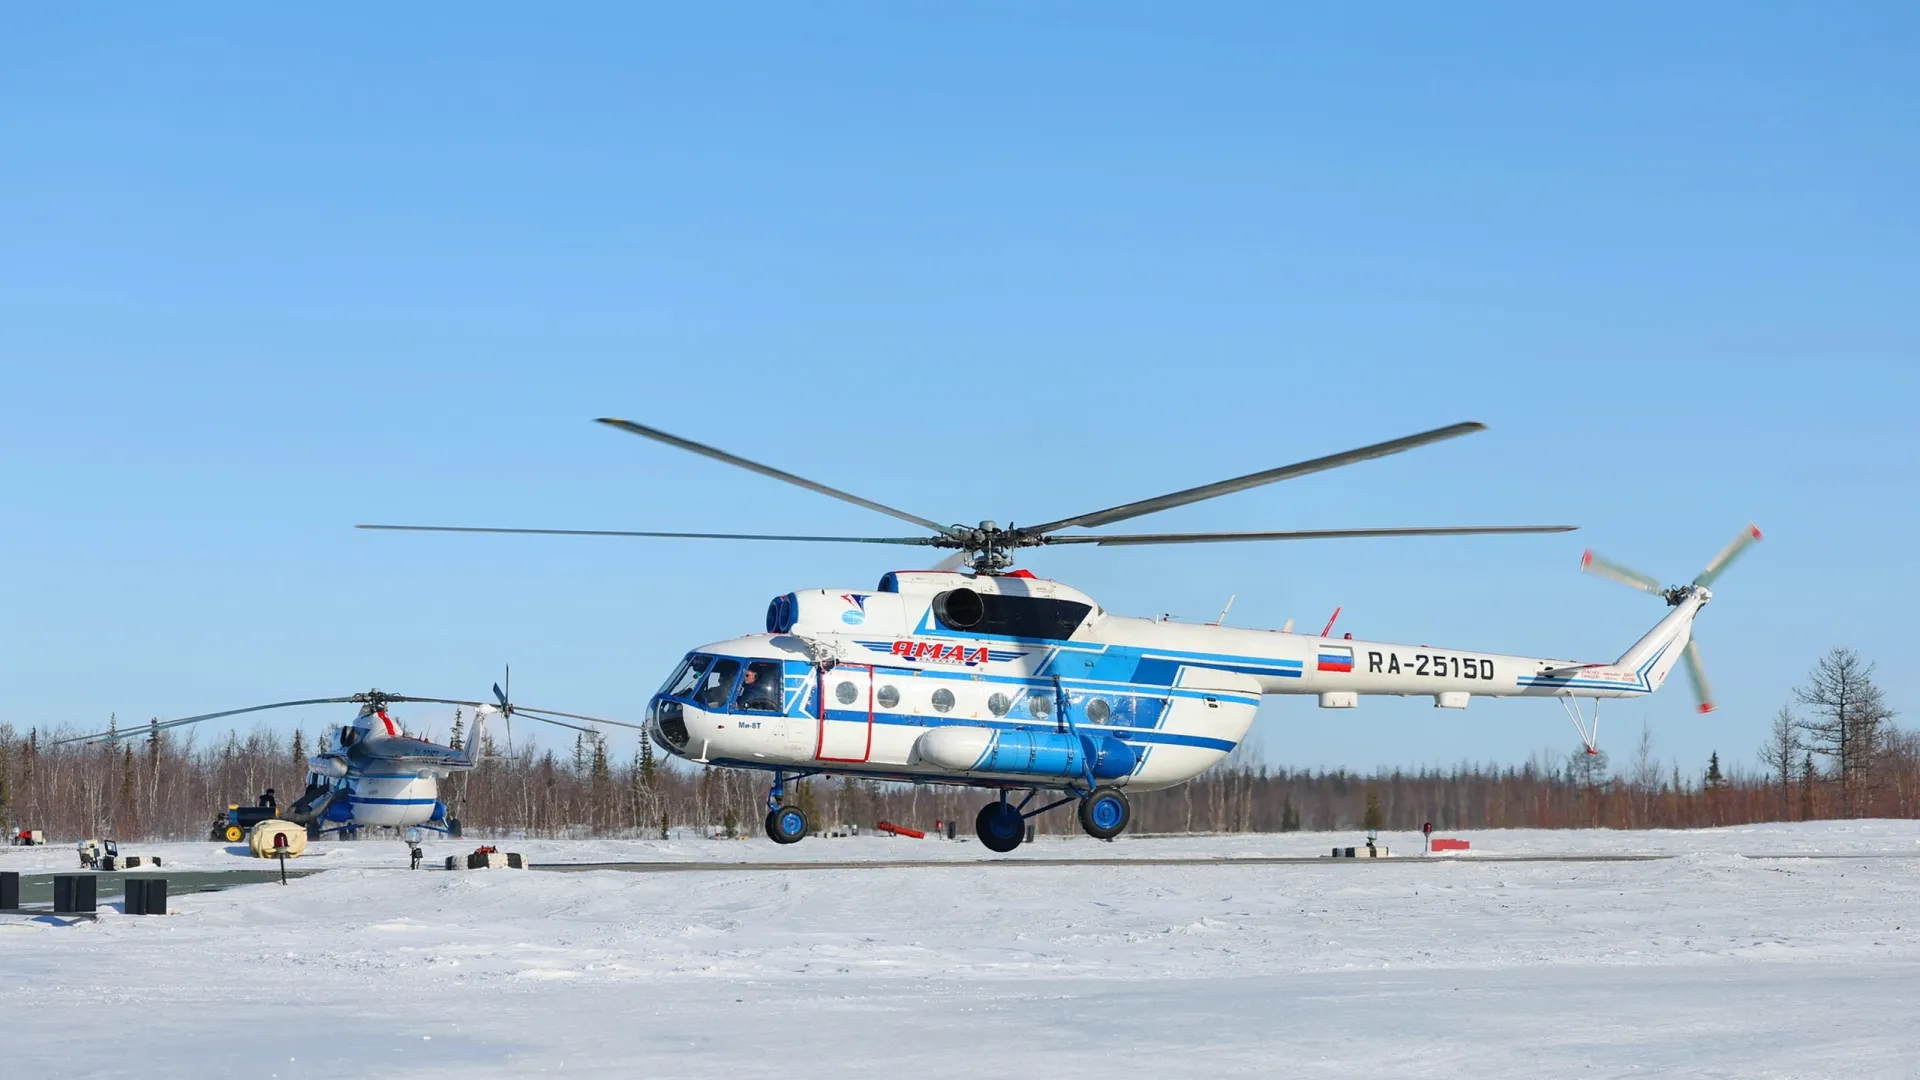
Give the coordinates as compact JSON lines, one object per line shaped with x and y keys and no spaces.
{"x":758,"y":691}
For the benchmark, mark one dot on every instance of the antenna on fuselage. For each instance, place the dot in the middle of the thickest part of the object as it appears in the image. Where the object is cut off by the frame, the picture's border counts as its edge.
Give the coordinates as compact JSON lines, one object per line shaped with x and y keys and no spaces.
{"x":1331,"y":619}
{"x":1221,"y":621}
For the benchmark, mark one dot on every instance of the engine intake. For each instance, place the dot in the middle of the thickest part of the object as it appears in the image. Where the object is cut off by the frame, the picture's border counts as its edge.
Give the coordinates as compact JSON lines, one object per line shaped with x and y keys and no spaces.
{"x":959,"y":609}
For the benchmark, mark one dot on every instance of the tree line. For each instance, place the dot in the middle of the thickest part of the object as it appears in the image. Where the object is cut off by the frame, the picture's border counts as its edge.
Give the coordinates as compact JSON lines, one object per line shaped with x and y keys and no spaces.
{"x":1832,"y":752}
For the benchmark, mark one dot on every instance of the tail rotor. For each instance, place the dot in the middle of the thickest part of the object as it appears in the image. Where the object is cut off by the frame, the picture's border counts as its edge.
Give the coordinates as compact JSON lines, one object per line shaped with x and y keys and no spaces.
{"x":1613,"y":571}
{"x":1677,"y":594}
{"x":1697,"y":675}
{"x":1727,"y":554}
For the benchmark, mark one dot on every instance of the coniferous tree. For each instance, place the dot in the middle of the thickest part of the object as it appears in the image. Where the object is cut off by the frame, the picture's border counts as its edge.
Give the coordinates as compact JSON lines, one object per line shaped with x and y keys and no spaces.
{"x":1373,"y":816}
{"x":123,"y":813}
{"x":1780,"y":753}
{"x":1847,"y":722}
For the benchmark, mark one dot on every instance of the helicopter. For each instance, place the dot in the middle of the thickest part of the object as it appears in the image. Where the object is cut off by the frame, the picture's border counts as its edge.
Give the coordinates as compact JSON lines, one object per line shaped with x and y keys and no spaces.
{"x":979,"y":674}
{"x":370,"y":772}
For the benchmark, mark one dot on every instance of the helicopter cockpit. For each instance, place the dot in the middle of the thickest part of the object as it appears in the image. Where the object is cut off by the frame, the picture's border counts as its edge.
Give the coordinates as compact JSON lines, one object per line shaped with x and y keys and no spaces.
{"x":716,"y":684}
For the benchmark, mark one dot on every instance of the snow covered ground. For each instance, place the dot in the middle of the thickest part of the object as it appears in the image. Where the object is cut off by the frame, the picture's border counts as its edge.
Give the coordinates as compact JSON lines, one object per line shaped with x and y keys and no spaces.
{"x":1708,"y":964}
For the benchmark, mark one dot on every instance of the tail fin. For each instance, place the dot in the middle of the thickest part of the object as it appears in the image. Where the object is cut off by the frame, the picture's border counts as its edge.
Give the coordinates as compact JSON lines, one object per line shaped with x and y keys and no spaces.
{"x":476,"y":736}
{"x":1652,"y":657}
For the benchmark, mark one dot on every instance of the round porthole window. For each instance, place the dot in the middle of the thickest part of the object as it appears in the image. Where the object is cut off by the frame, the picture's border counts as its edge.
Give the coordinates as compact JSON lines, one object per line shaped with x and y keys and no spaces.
{"x":1098,"y":712}
{"x":888,"y":697}
{"x":845,"y":693}
{"x":942,"y":700}
{"x":998,"y":704}
{"x":1040,"y":705}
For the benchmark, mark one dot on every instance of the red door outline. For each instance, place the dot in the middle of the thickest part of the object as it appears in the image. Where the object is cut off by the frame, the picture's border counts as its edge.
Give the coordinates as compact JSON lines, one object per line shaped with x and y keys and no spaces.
{"x":820,"y":742}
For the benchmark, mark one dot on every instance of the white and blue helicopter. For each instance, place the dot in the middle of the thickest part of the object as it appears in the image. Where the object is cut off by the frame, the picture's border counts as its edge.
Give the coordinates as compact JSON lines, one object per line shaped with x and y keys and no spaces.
{"x":370,"y":772}
{"x":995,"y":678}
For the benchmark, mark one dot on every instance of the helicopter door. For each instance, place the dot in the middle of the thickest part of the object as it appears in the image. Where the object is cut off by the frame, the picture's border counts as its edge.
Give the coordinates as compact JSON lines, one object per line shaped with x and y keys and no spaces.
{"x":846,"y":714}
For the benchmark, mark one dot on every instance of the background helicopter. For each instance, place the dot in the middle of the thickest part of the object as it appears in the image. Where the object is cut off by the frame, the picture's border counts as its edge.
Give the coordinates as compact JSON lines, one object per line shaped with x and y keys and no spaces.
{"x":371,"y":772}
{"x":1004,"y":680}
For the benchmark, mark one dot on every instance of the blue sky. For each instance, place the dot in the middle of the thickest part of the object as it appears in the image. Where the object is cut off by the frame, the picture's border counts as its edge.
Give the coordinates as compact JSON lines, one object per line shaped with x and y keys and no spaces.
{"x":267,"y":274}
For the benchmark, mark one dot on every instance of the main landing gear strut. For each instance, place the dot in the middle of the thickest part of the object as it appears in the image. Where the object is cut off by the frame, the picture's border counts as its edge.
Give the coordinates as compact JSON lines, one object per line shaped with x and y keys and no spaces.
{"x":1002,"y":826}
{"x":785,"y":824}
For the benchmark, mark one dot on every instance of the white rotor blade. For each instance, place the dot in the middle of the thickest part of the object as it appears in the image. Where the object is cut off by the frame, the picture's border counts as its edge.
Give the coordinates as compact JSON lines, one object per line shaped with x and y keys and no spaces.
{"x":950,"y":564}
{"x":1698,"y":675}
{"x":1613,"y":571}
{"x":1728,"y":554}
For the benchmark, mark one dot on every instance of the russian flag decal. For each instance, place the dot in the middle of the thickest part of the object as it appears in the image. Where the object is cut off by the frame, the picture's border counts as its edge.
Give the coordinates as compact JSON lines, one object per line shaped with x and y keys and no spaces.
{"x":1335,"y":658}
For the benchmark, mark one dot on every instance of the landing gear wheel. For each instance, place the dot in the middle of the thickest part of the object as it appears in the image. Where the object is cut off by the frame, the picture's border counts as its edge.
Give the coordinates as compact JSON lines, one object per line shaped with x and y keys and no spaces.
{"x":233,"y":834}
{"x":1000,"y":827}
{"x":1104,"y":813}
{"x":786,"y":824}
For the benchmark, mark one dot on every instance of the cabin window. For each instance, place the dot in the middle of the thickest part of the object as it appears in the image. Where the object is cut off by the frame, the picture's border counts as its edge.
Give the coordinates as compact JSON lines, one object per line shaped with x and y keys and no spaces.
{"x":717,"y":683}
{"x":846,"y":693}
{"x":1040,"y":705}
{"x":1098,"y":712}
{"x":998,"y":704}
{"x":761,"y":686}
{"x":943,"y":700}
{"x":888,"y":696}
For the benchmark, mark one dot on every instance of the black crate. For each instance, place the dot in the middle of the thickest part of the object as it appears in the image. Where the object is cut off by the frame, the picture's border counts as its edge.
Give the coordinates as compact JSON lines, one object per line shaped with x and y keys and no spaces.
{"x":9,"y":890}
{"x":75,"y":894}
{"x":146,"y":896}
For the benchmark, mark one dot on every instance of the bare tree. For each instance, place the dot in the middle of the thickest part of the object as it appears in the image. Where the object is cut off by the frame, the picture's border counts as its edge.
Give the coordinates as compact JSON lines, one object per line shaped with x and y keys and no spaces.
{"x":1781,"y":755}
{"x":1848,"y":722}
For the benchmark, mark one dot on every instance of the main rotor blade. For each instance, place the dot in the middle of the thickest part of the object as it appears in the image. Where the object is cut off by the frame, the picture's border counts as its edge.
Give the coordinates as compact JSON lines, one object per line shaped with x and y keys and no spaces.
{"x":559,"y":723}
{"x":143,"y":729}
{"x":1253,"y":480}
{"x":767,"y":470}
{"x":404,"y":699}
{"x":915,"y":541}
{"x":1697,"y":674}
{"x":1728,"y":554}
{"x":1613,"y":571}
{"x":536,"y":714}
{"x":1129,"y":540}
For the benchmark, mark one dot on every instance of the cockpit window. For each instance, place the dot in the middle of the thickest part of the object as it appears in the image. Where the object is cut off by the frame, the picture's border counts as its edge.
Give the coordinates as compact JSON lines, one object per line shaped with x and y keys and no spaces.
{"x":687,"y":675}
{"x":718,"y":683}
{"x":761,"y":686}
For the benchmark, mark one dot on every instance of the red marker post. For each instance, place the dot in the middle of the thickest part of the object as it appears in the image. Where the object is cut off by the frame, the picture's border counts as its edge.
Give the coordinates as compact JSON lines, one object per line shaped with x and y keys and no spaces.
{"x":280,"y":852}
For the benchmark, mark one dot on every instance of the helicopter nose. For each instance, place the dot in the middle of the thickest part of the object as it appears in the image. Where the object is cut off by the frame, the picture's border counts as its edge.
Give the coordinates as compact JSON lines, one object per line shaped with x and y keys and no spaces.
{"x":667,"y":724}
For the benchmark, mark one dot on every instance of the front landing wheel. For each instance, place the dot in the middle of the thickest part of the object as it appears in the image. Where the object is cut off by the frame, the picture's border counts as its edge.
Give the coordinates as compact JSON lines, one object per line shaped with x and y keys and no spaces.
{"x":786,"y":824}
{"x":1104,"y":813}
{"x":1000,"y":827}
